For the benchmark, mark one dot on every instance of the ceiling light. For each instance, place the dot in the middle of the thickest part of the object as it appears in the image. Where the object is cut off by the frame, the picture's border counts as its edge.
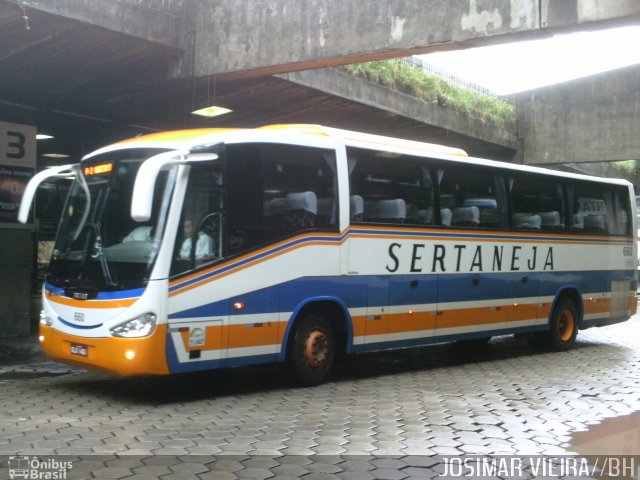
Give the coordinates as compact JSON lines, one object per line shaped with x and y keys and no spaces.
{"x":211,"y":111}
{"x":55,"y":155}
{"x":43,"y":136}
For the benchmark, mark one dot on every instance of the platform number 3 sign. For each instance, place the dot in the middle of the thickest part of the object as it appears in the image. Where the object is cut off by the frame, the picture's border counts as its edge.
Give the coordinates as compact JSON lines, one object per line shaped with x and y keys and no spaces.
{"x":17,"y":166}
{"x":17,"y":145}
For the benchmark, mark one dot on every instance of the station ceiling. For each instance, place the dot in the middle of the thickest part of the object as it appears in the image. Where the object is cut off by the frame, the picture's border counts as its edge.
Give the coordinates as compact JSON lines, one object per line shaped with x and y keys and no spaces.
{"x":88,"y":86}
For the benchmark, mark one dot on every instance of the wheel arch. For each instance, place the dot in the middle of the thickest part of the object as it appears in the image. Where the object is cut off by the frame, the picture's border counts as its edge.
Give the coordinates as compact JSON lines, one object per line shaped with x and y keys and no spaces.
{"x":334,"y":309}
{"x":572,"y":293}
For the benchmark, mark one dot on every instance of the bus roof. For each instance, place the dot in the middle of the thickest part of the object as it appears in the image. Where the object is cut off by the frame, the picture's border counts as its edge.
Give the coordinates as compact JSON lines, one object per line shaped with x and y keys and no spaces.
{"x":180,"y":139}
{"x":191,"y":137}
{"x":363,"y":139}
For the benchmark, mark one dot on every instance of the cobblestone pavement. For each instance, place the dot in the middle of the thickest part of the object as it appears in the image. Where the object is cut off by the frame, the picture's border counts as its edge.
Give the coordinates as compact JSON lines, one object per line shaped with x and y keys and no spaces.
{"x":391,"y":415}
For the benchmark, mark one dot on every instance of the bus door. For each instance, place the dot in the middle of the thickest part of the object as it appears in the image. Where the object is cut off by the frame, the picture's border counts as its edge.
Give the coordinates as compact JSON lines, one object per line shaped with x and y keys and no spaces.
{"x":199,"y":324}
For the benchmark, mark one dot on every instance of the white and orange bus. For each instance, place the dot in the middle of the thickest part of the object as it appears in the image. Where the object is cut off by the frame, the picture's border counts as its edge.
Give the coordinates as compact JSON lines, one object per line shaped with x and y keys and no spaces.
{"x":202,"y":249}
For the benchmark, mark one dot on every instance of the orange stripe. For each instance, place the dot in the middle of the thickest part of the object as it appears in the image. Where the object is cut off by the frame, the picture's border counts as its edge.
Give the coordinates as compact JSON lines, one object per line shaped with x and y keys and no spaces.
{"x":239,"y":267}
{"x":597,"y":305}
{"x":358,"y":235}
{"x":521,"y":238}
{"x":484,"y":315}
{"x":176,"y":136}
{"x":238,"y":336}
{"x":119,"y":303}
{"x":464,"y":317}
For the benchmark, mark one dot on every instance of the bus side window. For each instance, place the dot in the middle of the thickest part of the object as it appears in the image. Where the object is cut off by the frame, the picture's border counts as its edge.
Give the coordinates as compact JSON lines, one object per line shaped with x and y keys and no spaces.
{"x":390,"y":188}
{"x":470,"y":196}
{"x":536,"y":203}
{"x":593,"y":209}
{"x":622,"y":215}
{"x":276,"y":191}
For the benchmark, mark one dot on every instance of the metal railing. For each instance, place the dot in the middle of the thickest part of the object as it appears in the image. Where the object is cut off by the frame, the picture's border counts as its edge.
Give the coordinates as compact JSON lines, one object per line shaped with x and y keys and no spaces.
{"x":448,"y":77}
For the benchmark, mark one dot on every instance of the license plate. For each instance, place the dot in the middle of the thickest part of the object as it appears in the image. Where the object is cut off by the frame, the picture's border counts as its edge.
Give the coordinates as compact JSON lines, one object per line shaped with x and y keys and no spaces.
{"x":77,"y":349}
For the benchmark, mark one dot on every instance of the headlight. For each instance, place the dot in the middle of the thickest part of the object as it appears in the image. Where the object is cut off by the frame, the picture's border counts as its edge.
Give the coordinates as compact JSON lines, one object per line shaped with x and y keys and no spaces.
{"x":138,"y":327}
{"x":45,"y":319}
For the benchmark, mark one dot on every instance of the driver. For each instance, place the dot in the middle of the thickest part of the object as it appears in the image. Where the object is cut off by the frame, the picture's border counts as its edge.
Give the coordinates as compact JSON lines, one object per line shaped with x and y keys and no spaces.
{"x":205,"y":245}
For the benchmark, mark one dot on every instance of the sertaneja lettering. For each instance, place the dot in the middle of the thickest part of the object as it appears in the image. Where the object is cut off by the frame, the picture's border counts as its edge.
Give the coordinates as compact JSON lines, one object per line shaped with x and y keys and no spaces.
{"x":442,"y":258}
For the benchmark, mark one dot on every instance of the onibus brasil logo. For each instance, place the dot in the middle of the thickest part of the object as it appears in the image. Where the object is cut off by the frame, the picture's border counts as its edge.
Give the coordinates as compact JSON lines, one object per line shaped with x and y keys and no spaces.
{"x":38,"y":469}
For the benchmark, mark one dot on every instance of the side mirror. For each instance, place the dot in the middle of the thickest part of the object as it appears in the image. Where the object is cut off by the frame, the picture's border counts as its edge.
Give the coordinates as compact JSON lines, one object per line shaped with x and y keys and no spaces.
{"x":142,"y":199}
{"x":62,"y":171}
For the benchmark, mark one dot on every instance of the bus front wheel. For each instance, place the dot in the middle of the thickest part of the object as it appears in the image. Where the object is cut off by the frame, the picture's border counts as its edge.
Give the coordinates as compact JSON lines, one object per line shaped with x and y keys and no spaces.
{"x":311,"y":351}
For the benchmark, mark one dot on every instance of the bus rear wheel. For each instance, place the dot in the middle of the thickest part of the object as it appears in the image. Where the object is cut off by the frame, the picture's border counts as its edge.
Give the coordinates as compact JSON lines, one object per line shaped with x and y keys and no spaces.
{"x":311,"y":351}
{"x":563,"y":328}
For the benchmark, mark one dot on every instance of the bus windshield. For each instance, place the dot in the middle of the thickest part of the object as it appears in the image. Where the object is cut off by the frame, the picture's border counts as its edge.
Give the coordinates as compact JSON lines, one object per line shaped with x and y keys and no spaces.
{"x":98,"y":246}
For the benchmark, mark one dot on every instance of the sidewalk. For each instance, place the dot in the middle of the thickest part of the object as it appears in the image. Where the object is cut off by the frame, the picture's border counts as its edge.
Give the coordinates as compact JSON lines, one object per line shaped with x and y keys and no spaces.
{"x":23,"y":349}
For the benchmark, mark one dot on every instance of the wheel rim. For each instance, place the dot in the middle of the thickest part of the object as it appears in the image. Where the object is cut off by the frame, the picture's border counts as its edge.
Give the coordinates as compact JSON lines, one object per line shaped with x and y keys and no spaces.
{"x":316,"y":348}
{"x":566,"y":325}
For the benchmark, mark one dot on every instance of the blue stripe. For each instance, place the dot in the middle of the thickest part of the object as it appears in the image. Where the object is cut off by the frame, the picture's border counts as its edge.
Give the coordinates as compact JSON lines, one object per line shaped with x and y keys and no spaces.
{"x":79,"y":327}
{"x":117,"y":295}
{"x":225,"y":268}
{"x":360,"y":291}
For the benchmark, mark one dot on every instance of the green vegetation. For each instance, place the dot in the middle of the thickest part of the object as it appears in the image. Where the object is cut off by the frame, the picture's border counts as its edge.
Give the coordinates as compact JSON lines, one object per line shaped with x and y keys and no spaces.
{"x":431,"y":88}
{"x":628,"y":166}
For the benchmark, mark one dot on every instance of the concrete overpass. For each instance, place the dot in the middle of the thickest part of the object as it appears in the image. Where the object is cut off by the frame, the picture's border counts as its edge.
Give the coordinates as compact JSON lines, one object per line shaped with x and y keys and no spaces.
{"x":99,"y":70}
{"x":217,"y":37}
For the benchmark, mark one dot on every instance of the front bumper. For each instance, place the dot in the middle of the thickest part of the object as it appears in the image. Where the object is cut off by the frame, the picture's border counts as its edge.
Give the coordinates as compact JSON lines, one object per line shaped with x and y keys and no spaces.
{"x":122,"y":356}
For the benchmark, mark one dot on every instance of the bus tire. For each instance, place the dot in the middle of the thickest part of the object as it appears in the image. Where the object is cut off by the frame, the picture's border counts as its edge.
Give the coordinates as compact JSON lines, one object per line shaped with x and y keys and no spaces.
{"x":563,"y":328}
{"x":311,"y":351}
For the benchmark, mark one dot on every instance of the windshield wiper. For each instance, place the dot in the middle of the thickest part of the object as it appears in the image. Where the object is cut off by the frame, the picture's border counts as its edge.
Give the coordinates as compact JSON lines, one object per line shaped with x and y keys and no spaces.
{"x":98,"y":253}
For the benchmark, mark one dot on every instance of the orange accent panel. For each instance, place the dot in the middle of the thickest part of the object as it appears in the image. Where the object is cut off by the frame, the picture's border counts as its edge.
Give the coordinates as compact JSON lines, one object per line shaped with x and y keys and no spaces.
{"x":597,"y":305}
{"x":176,"y":136}
{"x":477,"y":316}
{"x":359,"y":326}
{"x":122,"y":303}
{"x":239,"y":336}
{"x":107,"y":353}
{"x":243,"y":336}
{"x":405,"y":322}
{"x":377,"y":326}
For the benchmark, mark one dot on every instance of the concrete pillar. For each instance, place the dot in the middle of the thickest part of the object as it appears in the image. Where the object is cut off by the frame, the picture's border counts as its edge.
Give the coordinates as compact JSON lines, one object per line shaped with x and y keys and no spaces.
{"x":16,"y":265}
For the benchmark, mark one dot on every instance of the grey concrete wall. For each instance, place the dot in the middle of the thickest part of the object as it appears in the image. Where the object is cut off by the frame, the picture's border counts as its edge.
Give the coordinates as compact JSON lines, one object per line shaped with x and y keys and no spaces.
{"x":158,"y":21}
{"x":16,"y":260}
{"x":274,"y":36}
{"x":236,"y":35}
{"x":589,"y":120}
